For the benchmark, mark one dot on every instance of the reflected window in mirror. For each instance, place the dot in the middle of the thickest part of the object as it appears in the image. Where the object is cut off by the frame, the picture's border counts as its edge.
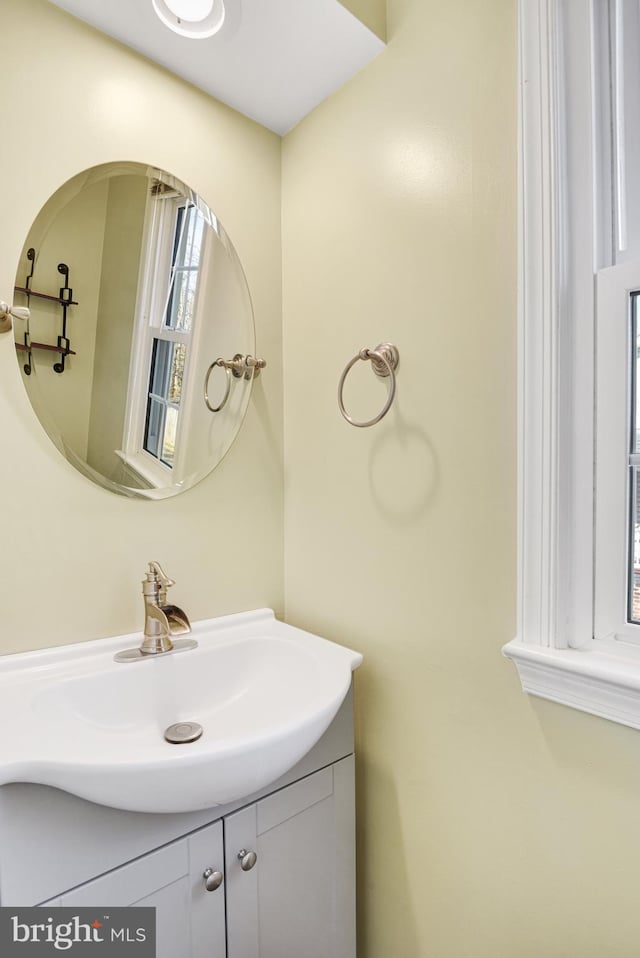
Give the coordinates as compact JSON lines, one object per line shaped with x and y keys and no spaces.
{"x":167,"y":314}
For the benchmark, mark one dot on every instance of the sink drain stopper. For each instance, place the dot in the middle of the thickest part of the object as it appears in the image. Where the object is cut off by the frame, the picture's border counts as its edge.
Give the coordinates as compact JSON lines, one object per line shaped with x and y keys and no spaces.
{"x":183,"y":732}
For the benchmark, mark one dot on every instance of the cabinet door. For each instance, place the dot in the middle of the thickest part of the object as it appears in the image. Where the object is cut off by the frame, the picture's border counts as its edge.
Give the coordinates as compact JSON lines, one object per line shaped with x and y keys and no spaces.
{"x":189,"y":919}
{"x":298,"y":901}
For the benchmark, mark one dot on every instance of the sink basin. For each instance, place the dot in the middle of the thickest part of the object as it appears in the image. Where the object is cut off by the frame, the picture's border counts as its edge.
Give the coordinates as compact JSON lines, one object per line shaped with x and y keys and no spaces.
{"x":264,"y":693}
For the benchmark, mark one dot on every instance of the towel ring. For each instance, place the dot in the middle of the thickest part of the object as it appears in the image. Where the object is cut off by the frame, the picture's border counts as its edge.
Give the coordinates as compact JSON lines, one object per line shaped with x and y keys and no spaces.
{"x":240,"y":367}
{"x":222,"y":404}
{"x":384,"y":360}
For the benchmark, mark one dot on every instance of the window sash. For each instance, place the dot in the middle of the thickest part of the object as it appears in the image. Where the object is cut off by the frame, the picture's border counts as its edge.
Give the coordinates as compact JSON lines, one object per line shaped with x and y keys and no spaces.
{"x":168,"y":253}
{"x":617,"y":304}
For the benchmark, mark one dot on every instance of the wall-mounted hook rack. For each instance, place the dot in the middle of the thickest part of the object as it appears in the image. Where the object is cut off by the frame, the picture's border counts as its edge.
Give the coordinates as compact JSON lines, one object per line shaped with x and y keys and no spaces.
{"x":65,"y":300}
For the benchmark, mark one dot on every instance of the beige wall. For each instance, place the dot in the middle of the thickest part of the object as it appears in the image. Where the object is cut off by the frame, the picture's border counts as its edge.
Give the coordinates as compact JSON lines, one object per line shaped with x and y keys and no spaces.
{"x":491,"y":825}
{"x":73,"y":554}
{"x":76,"y":238}
{"x":373,"y":13}
{"x":125,"y":212}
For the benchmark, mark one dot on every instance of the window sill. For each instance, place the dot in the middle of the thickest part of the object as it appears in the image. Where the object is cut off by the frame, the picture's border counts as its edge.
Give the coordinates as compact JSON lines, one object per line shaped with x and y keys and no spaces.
{"x":603,"y":678}
{"x":144,"y":468}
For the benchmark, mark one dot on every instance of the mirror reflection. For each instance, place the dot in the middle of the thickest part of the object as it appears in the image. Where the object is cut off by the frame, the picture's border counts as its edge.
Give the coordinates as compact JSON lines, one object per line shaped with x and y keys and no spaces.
{"x":135,"y":353}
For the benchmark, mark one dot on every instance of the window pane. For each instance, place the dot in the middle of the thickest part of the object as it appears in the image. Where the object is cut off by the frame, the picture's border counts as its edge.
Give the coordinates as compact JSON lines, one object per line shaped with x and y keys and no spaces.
{"x":170,"y":430}
{"x":187,"y":251}
{"x":160,"y":367}
{"x":634,"y":549}
{"x":635,"y":375}
{"x":177,"y":372}
{"x":182,"y":300}
{"x":190,"y":239}
{"x":167,"y":370}
{"x":633,"y":575}
{"x":165,"y":392}
{"x":154,"y":426}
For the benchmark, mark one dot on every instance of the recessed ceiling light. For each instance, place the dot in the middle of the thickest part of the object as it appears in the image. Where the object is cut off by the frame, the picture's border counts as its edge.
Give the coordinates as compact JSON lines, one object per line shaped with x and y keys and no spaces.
{"x":191,"y":18}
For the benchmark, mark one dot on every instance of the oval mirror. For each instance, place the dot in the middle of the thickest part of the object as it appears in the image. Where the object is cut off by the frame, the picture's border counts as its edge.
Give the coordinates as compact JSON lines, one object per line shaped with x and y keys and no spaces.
{"x":138,"y":353}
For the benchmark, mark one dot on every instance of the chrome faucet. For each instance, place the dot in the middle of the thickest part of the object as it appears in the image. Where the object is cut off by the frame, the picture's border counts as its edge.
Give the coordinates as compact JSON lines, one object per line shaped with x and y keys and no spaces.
{"x":161,"y":620}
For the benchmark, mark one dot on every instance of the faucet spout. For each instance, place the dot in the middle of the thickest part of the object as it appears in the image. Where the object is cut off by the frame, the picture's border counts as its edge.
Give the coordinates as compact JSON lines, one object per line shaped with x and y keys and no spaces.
{"x":177,"y":619}
{"x":161,"y":620}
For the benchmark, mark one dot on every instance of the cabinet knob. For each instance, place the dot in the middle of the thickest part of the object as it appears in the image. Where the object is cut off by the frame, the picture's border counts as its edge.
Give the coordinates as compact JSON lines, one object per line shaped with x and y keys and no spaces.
{"x":247,"y":859}
{"x":212,"y":879}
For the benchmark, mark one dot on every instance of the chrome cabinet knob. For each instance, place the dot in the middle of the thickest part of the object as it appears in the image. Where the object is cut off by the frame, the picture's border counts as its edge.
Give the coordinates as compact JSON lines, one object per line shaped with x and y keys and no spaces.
{"x":212,"y":879}
{"x":247,"y":859}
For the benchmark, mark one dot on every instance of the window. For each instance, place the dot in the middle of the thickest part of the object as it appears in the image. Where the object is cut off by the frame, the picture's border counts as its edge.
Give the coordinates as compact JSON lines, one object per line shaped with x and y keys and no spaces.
{"x":578,"y":637}
{"x":617,"y":565}
{"x":633,"y":497}
{"x":163,"y":400}
{"x":617,"y":558}
{"x":166,"y":319}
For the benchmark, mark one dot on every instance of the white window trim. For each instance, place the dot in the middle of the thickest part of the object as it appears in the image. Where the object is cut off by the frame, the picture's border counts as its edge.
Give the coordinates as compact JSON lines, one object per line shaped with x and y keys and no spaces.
{"x":555,"y":652}
{"x":146,"y":466}
{"x":615,"y":349}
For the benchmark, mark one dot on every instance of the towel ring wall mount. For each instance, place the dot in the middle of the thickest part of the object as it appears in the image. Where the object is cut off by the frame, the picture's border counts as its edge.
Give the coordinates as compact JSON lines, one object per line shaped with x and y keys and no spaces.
{"x":384,"y":361}
{"x":240,"y":367}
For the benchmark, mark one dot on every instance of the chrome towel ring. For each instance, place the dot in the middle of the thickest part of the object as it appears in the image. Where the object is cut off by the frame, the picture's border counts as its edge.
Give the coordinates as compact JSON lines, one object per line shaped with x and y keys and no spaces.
{"x":241,"y":367}
{"x":223,"y":401}
{"x":384,"y":360}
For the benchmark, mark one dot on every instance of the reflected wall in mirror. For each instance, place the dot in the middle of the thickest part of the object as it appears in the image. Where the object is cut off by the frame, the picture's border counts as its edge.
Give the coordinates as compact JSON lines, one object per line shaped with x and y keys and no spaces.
{"x":134,"y":290}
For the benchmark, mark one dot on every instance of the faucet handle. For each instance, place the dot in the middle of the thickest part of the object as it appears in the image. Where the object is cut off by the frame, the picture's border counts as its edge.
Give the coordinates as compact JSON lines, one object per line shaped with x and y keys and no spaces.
{"x":156,"y":583}
{"x":157,"y":572}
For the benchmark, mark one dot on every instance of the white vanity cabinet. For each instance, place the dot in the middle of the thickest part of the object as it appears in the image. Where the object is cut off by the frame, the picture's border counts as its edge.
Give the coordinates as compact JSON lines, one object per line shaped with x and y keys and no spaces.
{"x":189,"y":921}
{"x":294,"y":897}
{"x":297,"y":901}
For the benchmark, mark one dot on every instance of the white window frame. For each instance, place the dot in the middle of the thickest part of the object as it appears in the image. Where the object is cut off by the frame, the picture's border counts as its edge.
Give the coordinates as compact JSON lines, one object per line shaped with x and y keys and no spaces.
{"x":560,"y":155}
{"x":157,"y":251}
{"x":615,"y":348}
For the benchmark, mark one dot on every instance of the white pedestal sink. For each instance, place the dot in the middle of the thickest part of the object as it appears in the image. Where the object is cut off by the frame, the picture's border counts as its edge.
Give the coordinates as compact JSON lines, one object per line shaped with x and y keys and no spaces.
{"x":264,"y":693}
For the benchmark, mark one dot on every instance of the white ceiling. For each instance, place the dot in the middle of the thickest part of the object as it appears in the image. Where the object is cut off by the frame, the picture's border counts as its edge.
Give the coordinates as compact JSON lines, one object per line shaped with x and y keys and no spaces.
{"x":274,"y":60}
